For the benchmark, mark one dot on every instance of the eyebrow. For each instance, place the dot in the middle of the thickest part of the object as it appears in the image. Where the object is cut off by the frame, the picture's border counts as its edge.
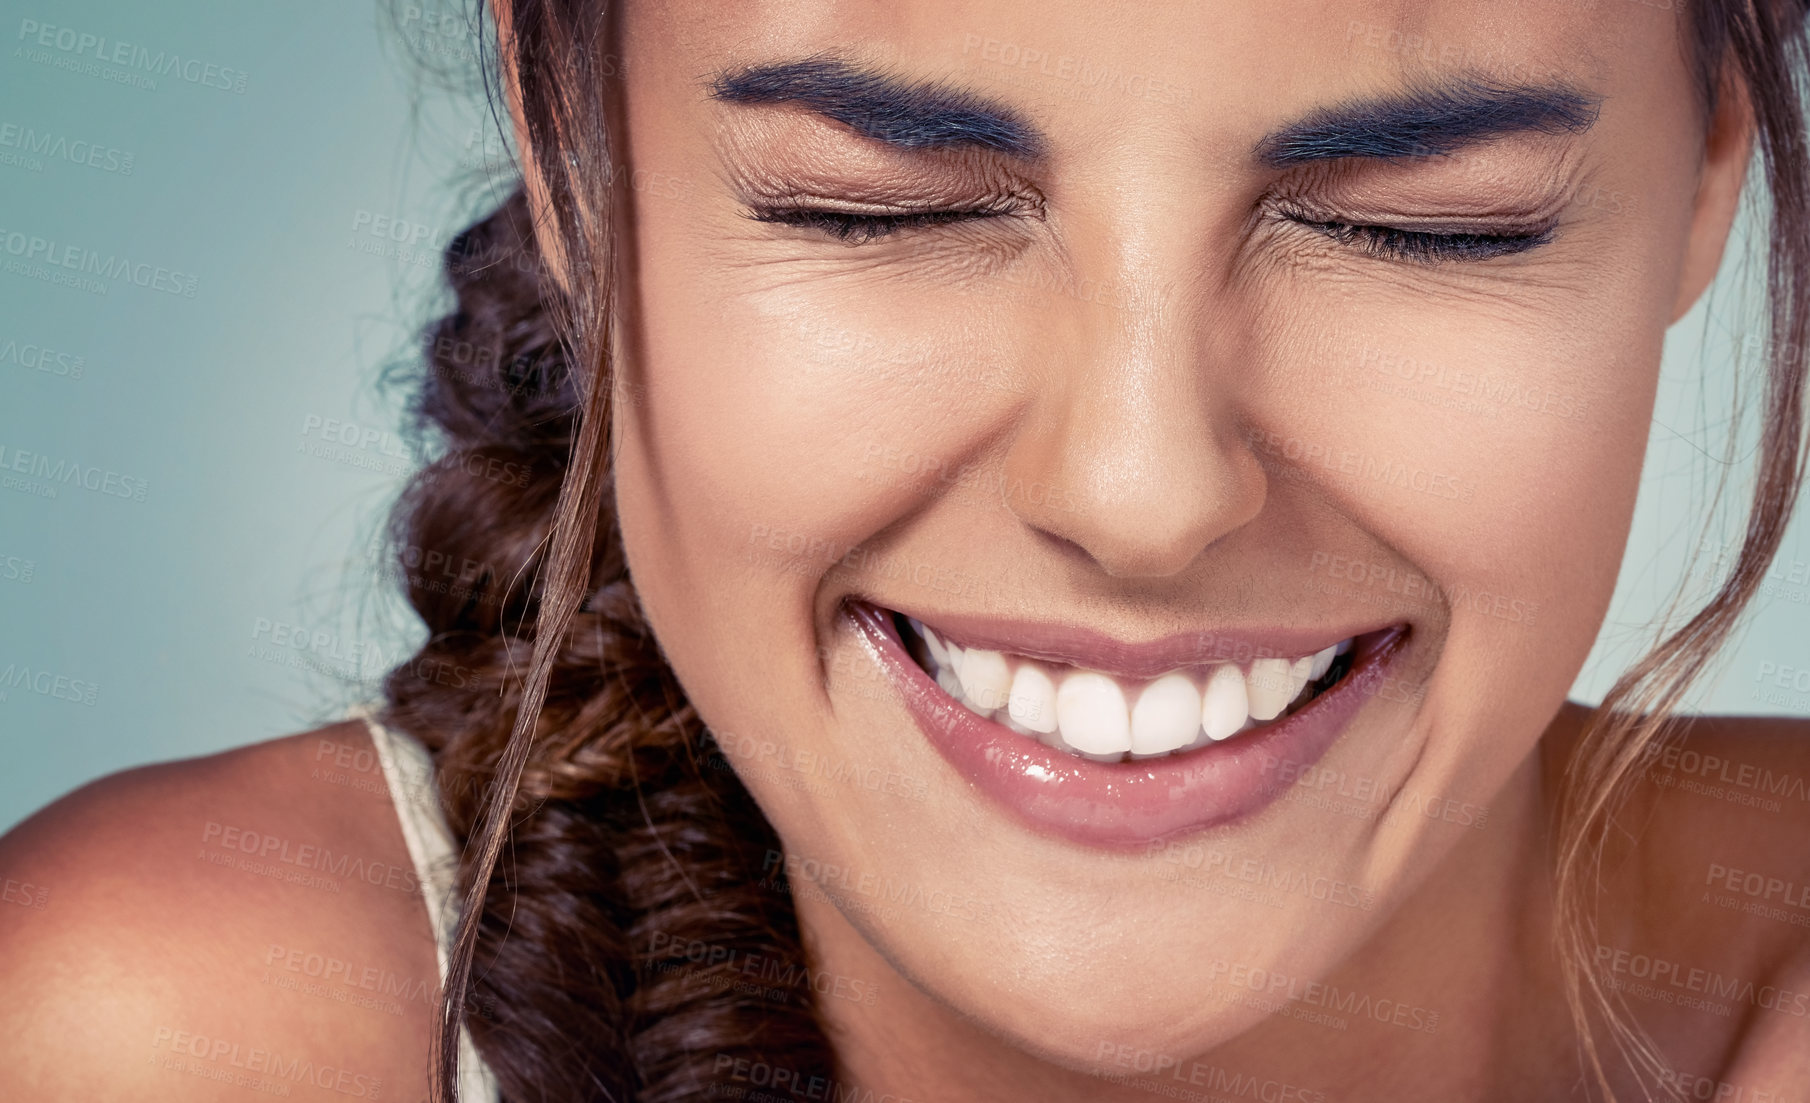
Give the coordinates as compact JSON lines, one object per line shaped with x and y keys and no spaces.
{"x":1429,"y":121}
{"x":915,"y":115}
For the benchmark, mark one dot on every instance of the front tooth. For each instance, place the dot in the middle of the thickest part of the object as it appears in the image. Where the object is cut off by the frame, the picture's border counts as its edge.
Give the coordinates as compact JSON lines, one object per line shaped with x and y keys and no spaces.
{"x":985,"y":678}
{"x":1322,"y":662}
{"x":951,"y":684}
{"x":1224,"y":706}
{"x":1090,"y":710}
{"x":1267,"y":686}
{"x":1006,"y":719}
{"x":1033,"y":699}
{"x":1298,"y":673}
{"x":937,"y":650}
{"x":1167,"y":715}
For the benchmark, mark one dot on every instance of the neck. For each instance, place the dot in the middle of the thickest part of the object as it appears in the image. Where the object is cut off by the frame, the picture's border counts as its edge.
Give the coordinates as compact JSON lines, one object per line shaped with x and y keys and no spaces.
{"x":1455,"y":996}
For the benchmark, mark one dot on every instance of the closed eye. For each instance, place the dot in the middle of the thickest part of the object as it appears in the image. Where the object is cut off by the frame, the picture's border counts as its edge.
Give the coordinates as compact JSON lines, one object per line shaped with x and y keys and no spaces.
{"x":860,"y":227}
{"x":1426,"y":246}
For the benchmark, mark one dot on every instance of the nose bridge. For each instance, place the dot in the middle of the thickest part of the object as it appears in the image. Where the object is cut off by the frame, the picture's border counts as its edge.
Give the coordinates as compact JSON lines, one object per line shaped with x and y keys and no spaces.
{"x":1135,"y":431}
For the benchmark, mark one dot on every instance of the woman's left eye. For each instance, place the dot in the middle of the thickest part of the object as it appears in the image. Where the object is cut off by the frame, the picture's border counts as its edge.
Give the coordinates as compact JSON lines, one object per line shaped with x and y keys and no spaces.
{"x":1427,"y":246}
{"x":858,"y":227}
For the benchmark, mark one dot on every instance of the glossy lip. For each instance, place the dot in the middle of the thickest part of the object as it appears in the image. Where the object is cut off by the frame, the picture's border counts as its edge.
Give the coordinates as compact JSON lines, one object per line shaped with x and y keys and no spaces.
{"x":1125,"y":805}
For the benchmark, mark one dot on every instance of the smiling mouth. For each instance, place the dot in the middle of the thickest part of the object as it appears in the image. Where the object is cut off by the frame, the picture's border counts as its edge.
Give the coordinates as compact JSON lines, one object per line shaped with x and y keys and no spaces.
{"x":1108,"y":717}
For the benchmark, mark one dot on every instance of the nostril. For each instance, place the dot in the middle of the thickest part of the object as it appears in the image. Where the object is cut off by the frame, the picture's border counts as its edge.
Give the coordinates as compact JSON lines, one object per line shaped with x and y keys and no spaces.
{"x":1126,"y":558}
{"x":1063,"y":546}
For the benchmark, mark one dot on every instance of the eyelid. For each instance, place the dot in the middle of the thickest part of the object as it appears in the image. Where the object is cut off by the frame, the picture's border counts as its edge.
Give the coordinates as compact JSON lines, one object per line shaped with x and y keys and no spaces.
{"x":988,"y":205}
{"x":1469,"y":191}
{"x":880,"y":199}
{"x":1505,"y":222}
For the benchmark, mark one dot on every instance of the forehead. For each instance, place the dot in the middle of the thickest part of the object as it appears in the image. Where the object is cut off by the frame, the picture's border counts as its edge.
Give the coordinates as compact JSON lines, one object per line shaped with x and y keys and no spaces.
{"x":1093,"y":68}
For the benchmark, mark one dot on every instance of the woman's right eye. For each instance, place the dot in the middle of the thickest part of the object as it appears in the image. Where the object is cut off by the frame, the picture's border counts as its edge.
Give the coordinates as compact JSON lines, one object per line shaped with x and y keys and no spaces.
{"x":859,"y":227}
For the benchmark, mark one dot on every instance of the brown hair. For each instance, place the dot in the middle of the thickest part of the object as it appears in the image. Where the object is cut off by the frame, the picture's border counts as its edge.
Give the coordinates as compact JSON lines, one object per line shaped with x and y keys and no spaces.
{"x":614,"y":869}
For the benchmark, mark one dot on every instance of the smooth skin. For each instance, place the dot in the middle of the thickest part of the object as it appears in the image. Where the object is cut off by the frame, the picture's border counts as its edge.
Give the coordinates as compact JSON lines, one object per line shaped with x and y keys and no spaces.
{"x":1106,"y":397}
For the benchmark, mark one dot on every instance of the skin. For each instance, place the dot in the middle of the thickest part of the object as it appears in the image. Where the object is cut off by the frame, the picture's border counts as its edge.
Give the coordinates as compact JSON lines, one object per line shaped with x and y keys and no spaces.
{"x":1126,"y":451}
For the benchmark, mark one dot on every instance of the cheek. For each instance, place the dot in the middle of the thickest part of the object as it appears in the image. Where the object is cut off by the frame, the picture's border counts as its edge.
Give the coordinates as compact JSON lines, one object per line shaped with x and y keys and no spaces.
{"x":754,"y":442}
{"x":781,"y":421}
{"x":1494,"y":448}
{"x":766,"y":431}
{"x":1484,"y":445}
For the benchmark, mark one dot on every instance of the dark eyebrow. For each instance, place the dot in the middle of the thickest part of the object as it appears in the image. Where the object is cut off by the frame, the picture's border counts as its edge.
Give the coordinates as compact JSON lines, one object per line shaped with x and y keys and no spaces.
{"x":1426,"y":122}
{"x":902,"y":113}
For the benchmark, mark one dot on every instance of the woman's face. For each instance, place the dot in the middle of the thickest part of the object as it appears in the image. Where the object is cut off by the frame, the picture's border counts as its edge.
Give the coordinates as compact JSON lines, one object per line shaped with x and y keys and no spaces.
{"x":1144,"y":355}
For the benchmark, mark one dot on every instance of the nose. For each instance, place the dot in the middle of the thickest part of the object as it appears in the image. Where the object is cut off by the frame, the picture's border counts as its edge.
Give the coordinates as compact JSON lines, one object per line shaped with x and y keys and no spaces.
{"x":1131,"y":450}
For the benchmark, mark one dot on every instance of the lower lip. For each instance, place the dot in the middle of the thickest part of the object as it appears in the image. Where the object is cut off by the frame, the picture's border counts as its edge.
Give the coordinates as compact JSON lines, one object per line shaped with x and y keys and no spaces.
{"x":1125,"y":805}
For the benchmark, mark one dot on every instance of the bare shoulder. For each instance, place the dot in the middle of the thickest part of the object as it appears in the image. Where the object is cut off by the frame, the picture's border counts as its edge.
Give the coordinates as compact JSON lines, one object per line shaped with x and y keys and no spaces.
{"x":193,"y":930}
{"x":1726,"y":899}
{"x":1759,"y":870}
{"x":1734,"y":791}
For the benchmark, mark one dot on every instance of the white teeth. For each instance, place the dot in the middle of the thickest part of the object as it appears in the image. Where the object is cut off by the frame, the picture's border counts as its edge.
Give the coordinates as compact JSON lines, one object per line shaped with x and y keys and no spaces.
{"x":1267,"y":685}
{"x":1006,"y":719}
{"x":1224,"y":706}
{"x":1033,"y":699}
{"x":937,"y":650}
{"x":1090,"y":712}
{"x":1298,"y":673}
{"x":1084,"y":712}
{"x":985,"y":678}
{"x":1167,"y":715}
{"x":1322,"y":662}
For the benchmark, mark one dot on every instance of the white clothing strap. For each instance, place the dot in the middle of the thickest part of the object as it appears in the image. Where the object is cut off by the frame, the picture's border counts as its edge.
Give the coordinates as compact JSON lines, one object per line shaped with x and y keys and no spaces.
{"x":409,"y":770}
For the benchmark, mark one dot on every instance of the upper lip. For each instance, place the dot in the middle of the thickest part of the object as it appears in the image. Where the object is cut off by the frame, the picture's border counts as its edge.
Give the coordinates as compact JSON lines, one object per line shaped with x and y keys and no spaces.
{"x":1078,"y":646}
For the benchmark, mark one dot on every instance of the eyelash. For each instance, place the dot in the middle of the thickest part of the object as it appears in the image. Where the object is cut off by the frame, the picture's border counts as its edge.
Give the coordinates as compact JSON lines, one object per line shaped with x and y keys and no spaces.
{"x":1387,"y":242}
{"x":855,"y":228}
{"x":1424,"y":246}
